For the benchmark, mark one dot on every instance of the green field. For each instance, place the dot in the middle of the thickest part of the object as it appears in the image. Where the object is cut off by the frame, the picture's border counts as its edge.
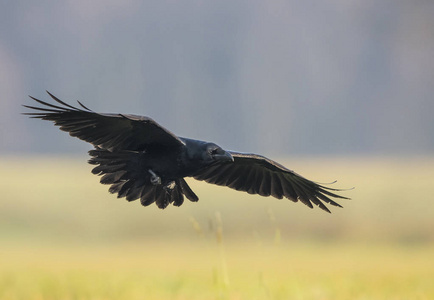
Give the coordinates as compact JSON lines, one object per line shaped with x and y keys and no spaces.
{"x":63,"y":236}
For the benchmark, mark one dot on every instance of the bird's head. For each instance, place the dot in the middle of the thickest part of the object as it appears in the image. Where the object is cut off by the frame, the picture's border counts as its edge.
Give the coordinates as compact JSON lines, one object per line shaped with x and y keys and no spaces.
{"x":215,"y":154}
{"x":201,"y":154}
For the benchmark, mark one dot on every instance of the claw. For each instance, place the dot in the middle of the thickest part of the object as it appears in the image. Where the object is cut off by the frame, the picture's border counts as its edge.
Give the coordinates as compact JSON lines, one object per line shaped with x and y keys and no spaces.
{"x":170,"y":186}
{"x":155,"y":179}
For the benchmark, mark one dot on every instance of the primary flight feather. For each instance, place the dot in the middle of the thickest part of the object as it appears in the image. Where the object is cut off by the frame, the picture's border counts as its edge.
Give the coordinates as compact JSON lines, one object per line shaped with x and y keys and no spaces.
{"x":140,"y":159}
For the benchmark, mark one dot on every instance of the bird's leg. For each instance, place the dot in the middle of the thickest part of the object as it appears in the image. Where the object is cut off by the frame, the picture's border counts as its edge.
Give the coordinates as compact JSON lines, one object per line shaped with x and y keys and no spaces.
{"x":154,"y":178}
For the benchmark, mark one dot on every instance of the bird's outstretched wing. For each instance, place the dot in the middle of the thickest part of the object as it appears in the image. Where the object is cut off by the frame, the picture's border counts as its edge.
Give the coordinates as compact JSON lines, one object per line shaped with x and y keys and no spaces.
{"x":257,"y":174}
{"x":107,"y":131}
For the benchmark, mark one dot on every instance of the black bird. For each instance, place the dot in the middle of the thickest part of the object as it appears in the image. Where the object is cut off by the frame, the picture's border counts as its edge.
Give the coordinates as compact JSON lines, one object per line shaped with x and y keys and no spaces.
{"x":142,"y":160}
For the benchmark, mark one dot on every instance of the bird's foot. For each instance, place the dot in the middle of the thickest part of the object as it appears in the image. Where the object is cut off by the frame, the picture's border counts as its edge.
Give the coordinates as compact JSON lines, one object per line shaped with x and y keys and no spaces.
{"x":170,"y":186}
{"x":155,"y":179}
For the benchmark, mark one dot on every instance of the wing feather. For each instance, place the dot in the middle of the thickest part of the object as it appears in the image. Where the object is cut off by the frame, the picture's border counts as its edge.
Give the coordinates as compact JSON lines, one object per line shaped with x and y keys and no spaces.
{"x":256,"y":174}
{"x":108,"y":131}
{"x":276,"y":186}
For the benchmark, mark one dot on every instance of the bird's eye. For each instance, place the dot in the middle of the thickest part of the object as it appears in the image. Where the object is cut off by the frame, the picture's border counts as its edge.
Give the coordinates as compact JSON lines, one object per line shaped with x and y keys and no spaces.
{"x":213,"y":151}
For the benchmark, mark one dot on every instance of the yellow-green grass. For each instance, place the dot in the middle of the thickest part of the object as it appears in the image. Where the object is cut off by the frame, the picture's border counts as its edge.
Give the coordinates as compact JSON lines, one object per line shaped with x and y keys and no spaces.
{"x":63,"y":236}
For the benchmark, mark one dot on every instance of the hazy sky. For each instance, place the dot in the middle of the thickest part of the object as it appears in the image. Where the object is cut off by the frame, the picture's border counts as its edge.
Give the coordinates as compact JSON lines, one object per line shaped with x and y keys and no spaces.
{"x":276,"y":77}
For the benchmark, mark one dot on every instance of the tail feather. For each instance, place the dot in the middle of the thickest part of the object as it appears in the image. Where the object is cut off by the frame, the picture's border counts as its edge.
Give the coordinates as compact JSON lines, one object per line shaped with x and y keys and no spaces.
{"x":121,"y":170}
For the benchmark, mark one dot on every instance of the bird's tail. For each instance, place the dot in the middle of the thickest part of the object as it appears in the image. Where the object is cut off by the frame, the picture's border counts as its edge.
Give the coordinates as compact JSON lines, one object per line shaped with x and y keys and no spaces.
{"x":123,"y":171}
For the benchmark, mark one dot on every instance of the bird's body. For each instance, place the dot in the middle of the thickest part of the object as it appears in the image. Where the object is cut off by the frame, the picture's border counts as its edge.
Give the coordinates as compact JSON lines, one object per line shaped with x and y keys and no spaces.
{"x":142,"y":160}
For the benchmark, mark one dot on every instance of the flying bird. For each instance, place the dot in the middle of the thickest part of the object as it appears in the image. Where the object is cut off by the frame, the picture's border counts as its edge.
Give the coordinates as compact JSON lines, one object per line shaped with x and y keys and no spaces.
{"x":140,"y":159}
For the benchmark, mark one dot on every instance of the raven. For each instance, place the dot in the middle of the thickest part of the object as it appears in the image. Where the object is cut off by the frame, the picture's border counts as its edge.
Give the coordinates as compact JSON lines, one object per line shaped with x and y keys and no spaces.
{"x":140,"y":159}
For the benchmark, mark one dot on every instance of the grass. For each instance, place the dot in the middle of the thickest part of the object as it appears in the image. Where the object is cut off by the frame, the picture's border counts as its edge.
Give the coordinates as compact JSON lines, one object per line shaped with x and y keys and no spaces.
{"x":62,"y":236}
{"x":181,"y":270}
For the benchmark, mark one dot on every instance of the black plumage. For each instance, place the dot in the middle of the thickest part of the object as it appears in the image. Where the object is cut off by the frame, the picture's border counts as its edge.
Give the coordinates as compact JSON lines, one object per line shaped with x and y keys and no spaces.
{"x":140,"y":159}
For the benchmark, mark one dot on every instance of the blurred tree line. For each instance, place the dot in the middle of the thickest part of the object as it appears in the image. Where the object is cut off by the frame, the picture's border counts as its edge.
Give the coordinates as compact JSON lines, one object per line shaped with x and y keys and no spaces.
{"x":277,"y":77}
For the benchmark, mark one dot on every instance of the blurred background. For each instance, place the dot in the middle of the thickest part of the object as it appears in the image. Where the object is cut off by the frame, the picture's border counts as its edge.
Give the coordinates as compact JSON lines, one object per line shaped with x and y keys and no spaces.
{"x":280,"y":77}
{"x":333,"y":89}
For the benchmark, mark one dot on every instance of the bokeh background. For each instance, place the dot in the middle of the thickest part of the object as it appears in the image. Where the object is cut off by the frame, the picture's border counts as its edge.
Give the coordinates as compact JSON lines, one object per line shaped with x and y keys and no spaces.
{"x":333,"y":89}
{"x":281,"y":77}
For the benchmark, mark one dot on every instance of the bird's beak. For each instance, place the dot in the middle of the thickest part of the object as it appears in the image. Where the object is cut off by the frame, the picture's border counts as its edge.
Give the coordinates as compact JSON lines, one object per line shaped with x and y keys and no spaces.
{"x":226,"y":156}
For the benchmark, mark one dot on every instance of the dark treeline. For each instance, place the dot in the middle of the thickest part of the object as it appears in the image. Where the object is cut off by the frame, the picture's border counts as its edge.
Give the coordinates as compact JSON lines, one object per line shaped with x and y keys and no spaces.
{"x":275,"y":77}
